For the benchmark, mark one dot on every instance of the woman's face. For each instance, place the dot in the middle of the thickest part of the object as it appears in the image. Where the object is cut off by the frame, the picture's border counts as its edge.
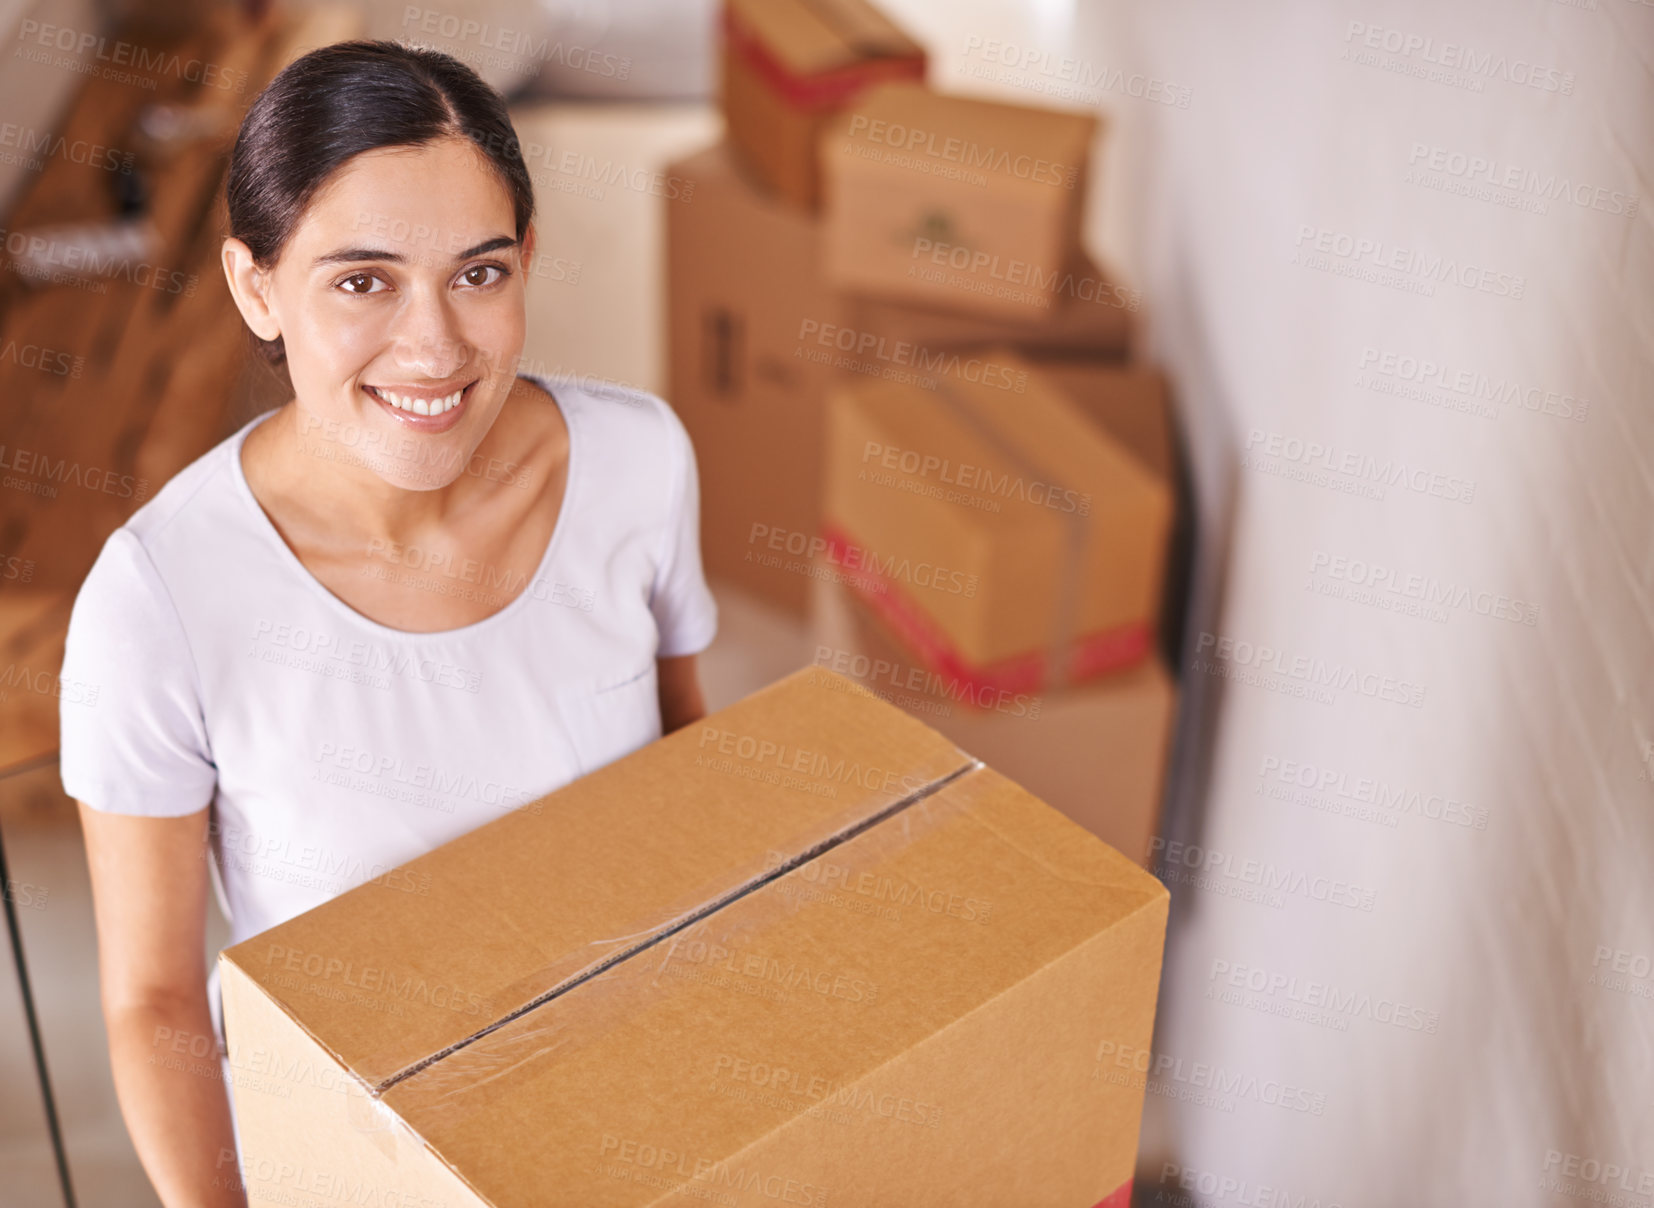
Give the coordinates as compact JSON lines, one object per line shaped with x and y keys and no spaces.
{"x":401,"y":292}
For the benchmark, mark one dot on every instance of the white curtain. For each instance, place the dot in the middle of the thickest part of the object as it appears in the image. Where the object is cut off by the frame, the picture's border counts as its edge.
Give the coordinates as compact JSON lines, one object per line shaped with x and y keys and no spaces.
{"x":1399,"y":258}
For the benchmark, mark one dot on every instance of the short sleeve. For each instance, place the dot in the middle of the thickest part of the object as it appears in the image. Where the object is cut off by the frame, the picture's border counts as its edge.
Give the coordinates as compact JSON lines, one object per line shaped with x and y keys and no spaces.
{"x":134,"y":740}
{"x":685,"y":613}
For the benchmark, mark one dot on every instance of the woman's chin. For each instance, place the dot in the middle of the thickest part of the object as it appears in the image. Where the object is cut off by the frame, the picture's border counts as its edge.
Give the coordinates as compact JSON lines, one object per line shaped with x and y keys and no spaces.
{"x":432,"y":478}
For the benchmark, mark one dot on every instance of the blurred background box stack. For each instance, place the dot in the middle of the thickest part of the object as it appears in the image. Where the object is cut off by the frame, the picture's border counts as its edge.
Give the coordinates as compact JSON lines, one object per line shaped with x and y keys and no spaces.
{"x":941,"y":304}
{"x":756,"y":331}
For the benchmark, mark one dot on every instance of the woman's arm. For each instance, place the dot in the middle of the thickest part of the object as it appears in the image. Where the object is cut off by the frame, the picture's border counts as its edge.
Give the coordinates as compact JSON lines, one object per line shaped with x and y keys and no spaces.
{"x":149,"y":895}
{"x":680,"y":692}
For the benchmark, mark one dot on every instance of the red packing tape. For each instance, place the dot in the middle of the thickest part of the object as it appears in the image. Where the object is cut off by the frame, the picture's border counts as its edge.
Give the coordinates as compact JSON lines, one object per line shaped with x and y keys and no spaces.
{"x":1120,"y":1197}
{"x":1094,"y":654}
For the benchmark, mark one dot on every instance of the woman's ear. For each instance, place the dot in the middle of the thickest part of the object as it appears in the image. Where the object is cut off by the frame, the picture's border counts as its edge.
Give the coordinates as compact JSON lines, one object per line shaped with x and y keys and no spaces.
{"x":248,"y":286}
{"x":528,"y":249}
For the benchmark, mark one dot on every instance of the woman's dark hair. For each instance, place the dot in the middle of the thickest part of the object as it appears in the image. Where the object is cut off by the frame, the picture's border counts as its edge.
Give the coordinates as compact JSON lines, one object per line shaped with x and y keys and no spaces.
{"x":339,"y":101}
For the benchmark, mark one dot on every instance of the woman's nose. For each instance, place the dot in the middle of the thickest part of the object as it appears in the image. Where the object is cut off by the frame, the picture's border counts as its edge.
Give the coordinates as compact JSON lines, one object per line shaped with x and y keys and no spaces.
{"x":428,"y":342}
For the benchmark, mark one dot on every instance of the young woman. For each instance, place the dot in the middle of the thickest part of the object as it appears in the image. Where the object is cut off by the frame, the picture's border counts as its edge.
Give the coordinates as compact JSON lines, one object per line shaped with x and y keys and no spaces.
{"x":422,"y":593}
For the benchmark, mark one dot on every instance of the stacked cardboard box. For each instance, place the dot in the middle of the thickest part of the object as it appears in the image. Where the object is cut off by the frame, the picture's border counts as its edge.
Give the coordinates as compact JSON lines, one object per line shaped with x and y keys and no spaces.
{"x":957,"y":202}
{"x":790,"y":65}
{"x":804,"y":951}
{"x":1095,"y":749}
{"x":1007,"y":537}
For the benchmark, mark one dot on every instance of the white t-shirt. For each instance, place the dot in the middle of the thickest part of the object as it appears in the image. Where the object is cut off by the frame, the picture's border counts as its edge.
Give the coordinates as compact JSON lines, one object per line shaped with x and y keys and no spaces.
{"x":333,"y":748}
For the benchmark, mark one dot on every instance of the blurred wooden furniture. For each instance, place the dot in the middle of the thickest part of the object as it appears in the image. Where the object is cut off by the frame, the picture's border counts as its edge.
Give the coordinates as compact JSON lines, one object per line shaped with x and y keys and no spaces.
{"x":108,"y":387}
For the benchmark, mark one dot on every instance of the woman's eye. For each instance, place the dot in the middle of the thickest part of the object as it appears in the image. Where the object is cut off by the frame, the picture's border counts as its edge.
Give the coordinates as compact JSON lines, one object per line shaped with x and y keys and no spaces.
{"x":361,"y":283}
{"x":477,"y":275}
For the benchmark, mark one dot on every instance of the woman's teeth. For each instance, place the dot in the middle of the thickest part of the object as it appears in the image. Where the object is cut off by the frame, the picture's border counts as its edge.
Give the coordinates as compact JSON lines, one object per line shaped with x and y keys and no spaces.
{"x":419,"y":406}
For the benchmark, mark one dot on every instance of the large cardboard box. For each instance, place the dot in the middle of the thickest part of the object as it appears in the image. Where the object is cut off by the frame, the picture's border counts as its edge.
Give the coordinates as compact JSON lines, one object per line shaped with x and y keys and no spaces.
{"x":953,"y":201}
{"x":1098,"y":751}
{"x":789,"y":65}
{"x":997,"y":528}
{"x":804,"y":951}
{"x":755,"y":336}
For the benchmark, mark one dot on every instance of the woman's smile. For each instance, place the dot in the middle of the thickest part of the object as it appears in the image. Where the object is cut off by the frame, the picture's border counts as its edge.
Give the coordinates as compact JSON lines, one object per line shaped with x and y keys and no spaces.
{"x":424,"y":408}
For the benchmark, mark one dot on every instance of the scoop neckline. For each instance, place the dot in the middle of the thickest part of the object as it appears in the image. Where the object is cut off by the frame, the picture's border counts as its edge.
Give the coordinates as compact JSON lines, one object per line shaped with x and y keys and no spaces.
{"x":316,"y":587}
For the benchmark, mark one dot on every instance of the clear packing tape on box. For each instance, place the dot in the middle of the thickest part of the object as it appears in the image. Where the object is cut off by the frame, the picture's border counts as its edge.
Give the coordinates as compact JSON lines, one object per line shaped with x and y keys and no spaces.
{"x":619,"y":977}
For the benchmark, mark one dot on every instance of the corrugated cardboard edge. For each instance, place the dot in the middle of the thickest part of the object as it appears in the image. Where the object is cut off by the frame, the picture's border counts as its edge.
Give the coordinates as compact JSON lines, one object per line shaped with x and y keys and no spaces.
{"x":248,"y":976}
{"x":390,"y":1148}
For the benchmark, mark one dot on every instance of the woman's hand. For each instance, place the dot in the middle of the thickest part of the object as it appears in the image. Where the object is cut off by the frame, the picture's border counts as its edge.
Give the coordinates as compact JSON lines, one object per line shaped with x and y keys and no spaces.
{"x":149,"y":894}
{"x":680,"y":692}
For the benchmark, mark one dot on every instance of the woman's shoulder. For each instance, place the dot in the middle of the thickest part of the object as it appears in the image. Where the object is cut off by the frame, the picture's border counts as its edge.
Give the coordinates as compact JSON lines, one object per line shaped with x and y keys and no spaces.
{"x":184,"y":517}
{"x":620,"y":421}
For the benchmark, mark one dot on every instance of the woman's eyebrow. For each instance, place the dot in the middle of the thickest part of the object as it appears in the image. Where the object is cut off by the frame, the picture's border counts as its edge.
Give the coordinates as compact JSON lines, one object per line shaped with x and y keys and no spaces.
{"x":355,"y":255}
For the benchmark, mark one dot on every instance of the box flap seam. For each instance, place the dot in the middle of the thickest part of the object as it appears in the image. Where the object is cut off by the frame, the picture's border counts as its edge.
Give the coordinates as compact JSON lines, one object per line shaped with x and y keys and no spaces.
{"x":690,"y":918}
